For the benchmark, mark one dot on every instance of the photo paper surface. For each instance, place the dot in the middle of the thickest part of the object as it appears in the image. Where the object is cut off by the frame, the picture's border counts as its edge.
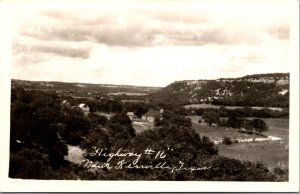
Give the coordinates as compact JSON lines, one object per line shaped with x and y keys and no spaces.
{"x":150,"y":96}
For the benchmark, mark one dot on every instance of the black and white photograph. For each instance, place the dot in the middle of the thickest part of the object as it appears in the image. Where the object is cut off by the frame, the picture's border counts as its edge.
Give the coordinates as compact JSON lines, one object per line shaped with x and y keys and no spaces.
{"x":153,"y":91}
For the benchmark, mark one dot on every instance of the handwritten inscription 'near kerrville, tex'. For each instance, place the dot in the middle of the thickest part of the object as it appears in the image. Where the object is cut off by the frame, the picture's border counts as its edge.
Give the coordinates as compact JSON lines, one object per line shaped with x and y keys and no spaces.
{"x":122,"y":159}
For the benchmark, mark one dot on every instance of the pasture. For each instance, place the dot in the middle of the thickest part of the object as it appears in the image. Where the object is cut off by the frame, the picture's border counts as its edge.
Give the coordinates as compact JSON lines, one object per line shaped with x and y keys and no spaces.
{"x":83,"y":97}
{"x":272,"y":153}
{"x":204,"y":106}
{"x":132,"y":101}
{"x":216,"y":134}
{"x":127,"y":93}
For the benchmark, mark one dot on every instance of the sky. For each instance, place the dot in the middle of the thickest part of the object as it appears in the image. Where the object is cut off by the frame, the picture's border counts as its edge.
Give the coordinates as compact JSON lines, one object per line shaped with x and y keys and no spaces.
{"x":149,"y":44}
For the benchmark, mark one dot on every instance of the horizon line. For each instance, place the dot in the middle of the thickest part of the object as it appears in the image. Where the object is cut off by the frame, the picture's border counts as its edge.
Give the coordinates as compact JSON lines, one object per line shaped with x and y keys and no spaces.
{"x":125,"y":85}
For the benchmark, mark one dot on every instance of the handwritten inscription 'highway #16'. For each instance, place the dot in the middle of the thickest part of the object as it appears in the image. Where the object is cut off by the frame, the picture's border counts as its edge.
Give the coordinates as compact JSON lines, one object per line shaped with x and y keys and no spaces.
{"x":130,"y":160}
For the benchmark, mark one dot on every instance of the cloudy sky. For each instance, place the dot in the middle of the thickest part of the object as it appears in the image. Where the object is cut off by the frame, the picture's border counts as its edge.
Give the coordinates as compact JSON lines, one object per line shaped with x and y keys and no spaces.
{"x":150,"y":44}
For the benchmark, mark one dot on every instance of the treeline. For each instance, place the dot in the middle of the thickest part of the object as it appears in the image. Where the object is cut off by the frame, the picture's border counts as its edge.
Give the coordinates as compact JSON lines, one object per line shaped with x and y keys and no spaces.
{"x":275,"y":75}
{"x":109,"y":105}
{"x":239,"y":112}
{"x":80,"y":89}
{"x":225,"y":112}
{"x":234,"y":121}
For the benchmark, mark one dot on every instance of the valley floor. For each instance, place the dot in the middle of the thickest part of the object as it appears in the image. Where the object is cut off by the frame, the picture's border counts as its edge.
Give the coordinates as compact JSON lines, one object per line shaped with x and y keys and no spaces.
{"x":272,"y":153}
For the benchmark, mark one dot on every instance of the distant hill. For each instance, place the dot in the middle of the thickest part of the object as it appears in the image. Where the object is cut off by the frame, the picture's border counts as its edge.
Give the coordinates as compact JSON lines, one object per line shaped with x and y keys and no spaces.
{"x":251,"y":90}
{"x":83,"y":89}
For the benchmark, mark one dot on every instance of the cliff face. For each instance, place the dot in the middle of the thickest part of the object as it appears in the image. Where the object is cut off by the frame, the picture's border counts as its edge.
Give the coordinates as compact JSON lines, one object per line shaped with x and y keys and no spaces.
{"x":251,"y":90}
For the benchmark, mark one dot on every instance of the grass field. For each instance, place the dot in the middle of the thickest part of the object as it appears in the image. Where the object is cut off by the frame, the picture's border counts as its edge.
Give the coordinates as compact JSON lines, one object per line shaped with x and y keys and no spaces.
{"x":272,"y":153}
{"x":132,"y":101}
{"x":107,"y":115}
{"x":216,"y":133}
{"x":84,"y":97}
{"x":228,"y":107}
{"x":128,"y":93}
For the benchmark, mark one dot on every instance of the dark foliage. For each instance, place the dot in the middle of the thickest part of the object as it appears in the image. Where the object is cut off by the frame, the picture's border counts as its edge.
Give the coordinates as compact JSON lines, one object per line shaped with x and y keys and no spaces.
{"x":227,"y":141}
{"x":235,"y":170}
{"x":40,"y":129}
{"x":120,"y":130}
{"x":259,"y":125}
{"x":138,"y":108}
{"x":170,"y":118}
{"x":234,"y":122}
{"x":211,"y":117}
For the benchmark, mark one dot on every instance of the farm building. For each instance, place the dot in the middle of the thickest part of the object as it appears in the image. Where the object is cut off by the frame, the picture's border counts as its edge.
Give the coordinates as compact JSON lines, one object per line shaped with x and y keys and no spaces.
{"x":84,"y":108}
{"x":152,"y":114}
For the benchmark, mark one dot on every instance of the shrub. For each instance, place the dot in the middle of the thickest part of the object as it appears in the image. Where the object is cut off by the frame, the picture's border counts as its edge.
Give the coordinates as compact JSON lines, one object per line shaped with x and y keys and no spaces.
{"x":279,"y":171}
{"x":227,"y":141}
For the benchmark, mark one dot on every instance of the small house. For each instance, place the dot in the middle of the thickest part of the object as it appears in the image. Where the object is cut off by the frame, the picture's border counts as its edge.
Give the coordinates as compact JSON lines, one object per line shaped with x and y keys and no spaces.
{"x":84,"y":108}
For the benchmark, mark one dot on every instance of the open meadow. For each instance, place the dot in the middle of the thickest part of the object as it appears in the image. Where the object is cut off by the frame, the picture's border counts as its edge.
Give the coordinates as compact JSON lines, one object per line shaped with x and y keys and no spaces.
{"x":228,"y":107}
{"x":272,"y":153}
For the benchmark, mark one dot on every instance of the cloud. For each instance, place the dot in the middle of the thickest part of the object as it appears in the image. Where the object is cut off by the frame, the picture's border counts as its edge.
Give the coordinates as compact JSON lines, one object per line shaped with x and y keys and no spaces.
{"x":229,"y":68}
{"x":179,"y":17}
{"x":54,"y":48}
{"x":139,"y":29}
{"x":56,"y":67}
{"x":280,"y":31}
{"x":26,"y":59}
{"x":148,"y":47}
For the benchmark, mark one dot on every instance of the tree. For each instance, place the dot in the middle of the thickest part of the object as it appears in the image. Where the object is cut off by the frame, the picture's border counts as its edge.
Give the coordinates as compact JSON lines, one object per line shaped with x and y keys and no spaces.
{"x":34,"y":134}
{"x":248,"y":125}
{"x":227,"y":141}
{"x":56,"y":154}
{"x":234,"y":122}
{"x":28,"y":163}
{"x":120,"y":119}
{"x":75,"y":126}
{"x":211,"y":117}
{"x":92,"y":105}
{"x":97,"y":120}
{"x":259,"y":125}
{"x":99,"y":138}
{"x":170,"y":118}
{"x":223,"y":111}
{"x":139,"y":109}
{"x":120,"y":130}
